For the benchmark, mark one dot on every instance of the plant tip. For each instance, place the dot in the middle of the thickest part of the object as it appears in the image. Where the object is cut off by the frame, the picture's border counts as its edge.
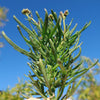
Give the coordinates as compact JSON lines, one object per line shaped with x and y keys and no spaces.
{"x":51,"y":17}
{"x":26,"y":11}
{"x":17,"y":25}
{"x":66,"y":13}
{"x":45,"y":9}
{"x":61,"y":14}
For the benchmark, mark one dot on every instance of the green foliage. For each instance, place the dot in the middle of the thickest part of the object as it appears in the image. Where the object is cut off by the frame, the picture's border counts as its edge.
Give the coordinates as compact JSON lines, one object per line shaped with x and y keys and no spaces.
{"x":89,"y":87}
{"x":52,"y":54}
{"x":19,"y":92}
{"x":3,"y":19}
{"x":3,"y":15}
{"x":90,"y":93}
{"x":8,"y":96}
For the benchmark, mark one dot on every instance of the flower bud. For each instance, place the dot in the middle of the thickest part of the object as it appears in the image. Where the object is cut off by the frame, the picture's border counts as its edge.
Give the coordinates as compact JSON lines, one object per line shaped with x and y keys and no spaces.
{"x":26,"y":11}
{"x":51,"y":17}
{"x":66,"y":13}
{"x":61,"y":14}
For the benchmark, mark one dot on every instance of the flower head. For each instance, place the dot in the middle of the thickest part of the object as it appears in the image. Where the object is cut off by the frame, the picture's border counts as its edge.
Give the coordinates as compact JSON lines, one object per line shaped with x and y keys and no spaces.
{"x":51,"y":17}
{"x":61,"y":14}
{"x":66,"y":13}
{"x":26,"y":11}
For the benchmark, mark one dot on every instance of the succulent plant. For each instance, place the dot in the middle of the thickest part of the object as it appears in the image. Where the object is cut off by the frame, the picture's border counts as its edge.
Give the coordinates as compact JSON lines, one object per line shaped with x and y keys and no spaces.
{"x":52,"y":54}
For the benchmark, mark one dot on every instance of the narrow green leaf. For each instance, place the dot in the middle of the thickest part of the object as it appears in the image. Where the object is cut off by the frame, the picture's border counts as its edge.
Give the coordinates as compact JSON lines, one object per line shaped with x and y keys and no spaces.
{"x":85,"y":26}
{"x":42,"y":67}
{"x":22,"y":35}
{"x":39,"y":77}
{"x":45,"y":22}
{"x":73,"y":59}
{"x":53,"y":49}
{"x":39,"y":29}
{"x":93,"y":64}
{"x":36,"y":45}
{"x":32,"y":55}
{"x":74,"y":78}
{"x":24,"y":27}
{"x":55,"y":28}
{"x":38,"y":89}
{"x":54,"y":15}
{"x":78,"y":84}
{"x":83,"y":71}
{"x":78,"y":65}
{"x":71,"y":51}
{"x":73,"y":29}
{"x":54,"y":68}
{"x":39,"y":18}
{"x":61,"y":66}
{"x":70,"y":24}
{"x":67,"y":93}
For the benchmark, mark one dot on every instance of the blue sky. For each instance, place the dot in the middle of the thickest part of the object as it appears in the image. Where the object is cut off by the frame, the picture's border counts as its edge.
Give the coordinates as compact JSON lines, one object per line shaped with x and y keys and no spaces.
{"x":14,"y":65}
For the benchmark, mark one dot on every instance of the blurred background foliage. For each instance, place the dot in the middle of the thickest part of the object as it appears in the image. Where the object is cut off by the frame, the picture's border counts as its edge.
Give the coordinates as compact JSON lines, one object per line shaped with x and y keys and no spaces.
{"x":19,"y":92}
{"x":3,"y":19}
{"x":3,"y":16}
{"x":89,"y":88}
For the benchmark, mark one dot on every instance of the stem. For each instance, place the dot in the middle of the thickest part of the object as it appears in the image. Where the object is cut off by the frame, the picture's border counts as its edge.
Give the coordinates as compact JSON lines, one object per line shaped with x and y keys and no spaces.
{"x":60,"y":93}
{"x":64,"y":27}
{"x":37,"y":88}
{"x":42,"y":67}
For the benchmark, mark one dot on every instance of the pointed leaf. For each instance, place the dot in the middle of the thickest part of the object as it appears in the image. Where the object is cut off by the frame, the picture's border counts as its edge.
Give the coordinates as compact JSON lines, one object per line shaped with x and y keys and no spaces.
{"x":24,"y":27}
{"x":32,"y":55}
{"x":54,"y":15}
